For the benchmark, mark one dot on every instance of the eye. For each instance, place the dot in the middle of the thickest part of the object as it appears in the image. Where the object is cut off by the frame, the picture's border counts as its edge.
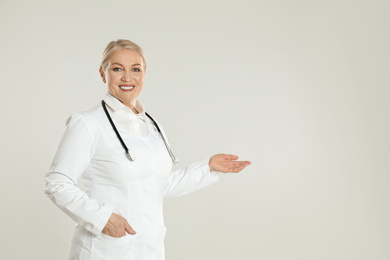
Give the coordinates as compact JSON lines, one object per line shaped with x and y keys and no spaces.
{"x":116,"y":69}
{"x":136,"y":69}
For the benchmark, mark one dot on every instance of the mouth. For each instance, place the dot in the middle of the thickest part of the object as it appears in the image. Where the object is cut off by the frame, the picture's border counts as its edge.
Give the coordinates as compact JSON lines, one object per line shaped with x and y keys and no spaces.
{"x":126,"y":87}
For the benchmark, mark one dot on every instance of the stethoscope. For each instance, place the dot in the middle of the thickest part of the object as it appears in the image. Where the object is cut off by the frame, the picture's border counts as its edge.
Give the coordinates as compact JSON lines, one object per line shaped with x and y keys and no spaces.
{"x":129,"y":154}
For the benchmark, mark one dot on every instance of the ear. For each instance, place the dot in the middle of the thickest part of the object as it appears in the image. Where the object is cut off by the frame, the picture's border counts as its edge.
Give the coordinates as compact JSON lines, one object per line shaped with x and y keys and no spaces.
{"x":102,"y":74}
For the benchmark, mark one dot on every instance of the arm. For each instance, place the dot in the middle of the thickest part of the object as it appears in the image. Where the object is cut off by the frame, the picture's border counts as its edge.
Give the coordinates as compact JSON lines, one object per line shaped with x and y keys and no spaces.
{"x":70,"y":161}
{"x":193,"y":177}
{"x":202,"y":174}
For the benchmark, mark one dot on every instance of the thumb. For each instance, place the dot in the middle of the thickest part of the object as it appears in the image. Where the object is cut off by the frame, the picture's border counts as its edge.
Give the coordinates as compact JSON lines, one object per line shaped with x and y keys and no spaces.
{"x":129,"y":229}
{"x":231,"y":157}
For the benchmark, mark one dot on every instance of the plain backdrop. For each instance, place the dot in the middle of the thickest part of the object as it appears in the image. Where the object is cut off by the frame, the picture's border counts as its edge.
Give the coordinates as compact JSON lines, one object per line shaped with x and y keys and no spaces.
{"x":300,"y":88}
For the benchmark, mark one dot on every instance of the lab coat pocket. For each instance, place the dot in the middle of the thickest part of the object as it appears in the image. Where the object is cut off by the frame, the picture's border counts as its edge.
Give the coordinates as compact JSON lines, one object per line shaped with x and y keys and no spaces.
{"x":105,"y":247}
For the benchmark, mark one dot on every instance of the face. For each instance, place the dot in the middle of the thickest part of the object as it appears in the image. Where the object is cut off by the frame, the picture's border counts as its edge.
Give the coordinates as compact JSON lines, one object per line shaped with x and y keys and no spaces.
{"x":124,"y":75}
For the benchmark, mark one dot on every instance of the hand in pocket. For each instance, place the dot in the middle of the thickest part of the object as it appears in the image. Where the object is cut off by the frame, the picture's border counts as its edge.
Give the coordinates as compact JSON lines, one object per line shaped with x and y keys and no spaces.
{"x":117,"y":226}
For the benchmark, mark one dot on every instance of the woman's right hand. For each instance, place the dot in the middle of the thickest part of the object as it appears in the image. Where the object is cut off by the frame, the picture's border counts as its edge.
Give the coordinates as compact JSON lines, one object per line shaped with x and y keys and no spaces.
{"x":117,"y":226}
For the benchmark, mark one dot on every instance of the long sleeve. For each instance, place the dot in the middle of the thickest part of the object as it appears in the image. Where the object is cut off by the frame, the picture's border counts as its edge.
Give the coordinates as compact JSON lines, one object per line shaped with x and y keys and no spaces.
{"x":70,"y":161}
{"x":193,"y":177}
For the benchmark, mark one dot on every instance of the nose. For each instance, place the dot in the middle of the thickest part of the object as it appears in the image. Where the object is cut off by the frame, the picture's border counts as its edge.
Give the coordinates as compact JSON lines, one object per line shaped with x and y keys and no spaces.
{"x":126,"y":76}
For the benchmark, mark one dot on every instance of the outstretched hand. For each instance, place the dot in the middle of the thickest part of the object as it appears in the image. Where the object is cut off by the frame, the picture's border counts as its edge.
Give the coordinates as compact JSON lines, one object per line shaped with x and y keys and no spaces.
{"x":227,"y":163}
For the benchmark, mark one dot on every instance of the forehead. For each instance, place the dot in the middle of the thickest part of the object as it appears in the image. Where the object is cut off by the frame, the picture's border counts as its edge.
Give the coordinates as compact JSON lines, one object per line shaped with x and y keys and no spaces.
{"x":125,"y":57}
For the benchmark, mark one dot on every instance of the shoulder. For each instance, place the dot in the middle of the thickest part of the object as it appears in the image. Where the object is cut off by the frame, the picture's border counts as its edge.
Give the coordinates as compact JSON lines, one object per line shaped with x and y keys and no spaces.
{"x":86,"y":121}
{"x":90,"y":115}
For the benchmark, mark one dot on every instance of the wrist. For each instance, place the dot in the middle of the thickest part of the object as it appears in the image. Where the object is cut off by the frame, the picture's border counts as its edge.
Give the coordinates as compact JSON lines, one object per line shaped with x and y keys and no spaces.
{"x":211,"y":165}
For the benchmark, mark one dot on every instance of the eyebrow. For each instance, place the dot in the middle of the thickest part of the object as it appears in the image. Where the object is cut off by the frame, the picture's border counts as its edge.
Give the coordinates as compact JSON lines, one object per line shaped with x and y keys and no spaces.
{"x":136,"y":64}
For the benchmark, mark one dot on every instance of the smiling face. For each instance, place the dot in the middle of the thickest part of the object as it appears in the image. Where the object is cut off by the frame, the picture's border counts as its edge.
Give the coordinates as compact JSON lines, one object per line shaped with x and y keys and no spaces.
{"x":124,"y":75}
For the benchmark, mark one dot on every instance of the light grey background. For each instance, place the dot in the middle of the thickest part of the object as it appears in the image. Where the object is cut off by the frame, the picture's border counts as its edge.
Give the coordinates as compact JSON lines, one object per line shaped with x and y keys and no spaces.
{"x":300,"y":88}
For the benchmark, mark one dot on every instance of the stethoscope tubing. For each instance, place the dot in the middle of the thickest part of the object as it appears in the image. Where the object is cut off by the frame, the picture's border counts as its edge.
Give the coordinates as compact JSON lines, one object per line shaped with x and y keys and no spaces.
{"x":174,"y":160}
{"x":129,"y":155}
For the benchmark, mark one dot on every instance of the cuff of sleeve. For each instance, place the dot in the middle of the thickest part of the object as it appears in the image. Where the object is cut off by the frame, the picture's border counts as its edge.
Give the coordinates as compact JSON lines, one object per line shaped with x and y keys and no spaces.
{"x":214,"y":174}
{"x":102,"y":220}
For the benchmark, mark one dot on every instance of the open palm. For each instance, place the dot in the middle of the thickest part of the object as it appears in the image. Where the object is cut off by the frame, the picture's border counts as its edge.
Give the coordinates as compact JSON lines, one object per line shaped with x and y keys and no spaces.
{"x":227,"y":163}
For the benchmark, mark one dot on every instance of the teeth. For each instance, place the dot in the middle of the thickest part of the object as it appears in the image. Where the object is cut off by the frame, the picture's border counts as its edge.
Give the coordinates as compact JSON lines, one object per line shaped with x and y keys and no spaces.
{"x":126,"y":88}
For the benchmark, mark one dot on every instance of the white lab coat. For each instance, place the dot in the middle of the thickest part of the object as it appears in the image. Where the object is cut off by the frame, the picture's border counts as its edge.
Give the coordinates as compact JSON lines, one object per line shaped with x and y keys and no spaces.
{"x":89,"y":150}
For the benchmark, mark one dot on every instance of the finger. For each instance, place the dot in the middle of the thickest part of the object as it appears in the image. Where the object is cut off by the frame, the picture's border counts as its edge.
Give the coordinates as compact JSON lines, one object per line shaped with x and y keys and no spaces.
{"x":246,"y":163}
{"x":238,"y":166}
{"x":243,"y":166}
{"x":129,"y":229}
{"x":229,"y":166}
{"x":237,"y":163}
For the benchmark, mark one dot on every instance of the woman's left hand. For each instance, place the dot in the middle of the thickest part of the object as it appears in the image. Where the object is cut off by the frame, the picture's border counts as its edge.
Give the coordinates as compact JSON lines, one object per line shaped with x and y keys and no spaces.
{"x":227,"y":163}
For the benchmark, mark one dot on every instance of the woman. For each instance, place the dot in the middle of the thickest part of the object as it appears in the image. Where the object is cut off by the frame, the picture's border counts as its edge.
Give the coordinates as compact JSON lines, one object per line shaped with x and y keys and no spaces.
{"x":119,"y":212}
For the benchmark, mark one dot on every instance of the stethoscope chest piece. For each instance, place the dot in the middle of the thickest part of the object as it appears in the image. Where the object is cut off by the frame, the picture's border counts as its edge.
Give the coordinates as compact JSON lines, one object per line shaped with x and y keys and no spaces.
{"x":130,"y":155}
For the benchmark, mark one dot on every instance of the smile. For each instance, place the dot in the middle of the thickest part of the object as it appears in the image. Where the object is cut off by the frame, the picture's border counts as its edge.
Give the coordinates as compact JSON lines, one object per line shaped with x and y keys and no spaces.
{"x":126,"y":87}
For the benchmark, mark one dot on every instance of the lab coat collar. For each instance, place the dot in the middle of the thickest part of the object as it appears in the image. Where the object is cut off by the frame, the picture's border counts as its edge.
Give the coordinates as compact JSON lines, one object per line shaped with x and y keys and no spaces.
{"x":116,"y":105}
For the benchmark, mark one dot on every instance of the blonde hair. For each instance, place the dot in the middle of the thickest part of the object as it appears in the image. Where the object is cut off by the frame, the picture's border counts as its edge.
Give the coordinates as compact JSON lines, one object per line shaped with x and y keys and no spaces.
{"x":121,"y":43}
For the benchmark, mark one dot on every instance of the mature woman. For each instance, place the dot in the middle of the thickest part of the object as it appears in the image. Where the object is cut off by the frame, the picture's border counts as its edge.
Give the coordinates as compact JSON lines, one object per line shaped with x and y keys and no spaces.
{"x":125,"y":164}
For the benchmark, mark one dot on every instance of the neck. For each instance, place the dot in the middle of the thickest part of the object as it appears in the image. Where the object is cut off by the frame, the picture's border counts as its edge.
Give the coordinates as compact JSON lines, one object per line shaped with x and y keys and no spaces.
{"x":131,"y":105}
{"x":133,"y":109}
